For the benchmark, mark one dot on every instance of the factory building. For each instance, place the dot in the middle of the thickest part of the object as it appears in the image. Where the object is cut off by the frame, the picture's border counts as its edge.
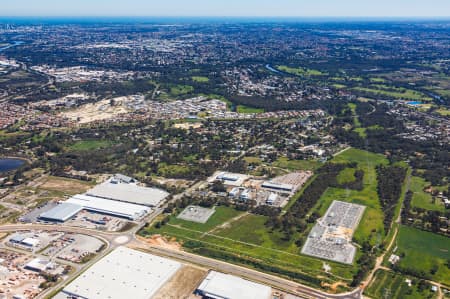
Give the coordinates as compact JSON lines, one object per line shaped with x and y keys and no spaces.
{"x":278,"y":187}
{"x":272,"y":199}
{"x":114,"y":189}
{"x":61,"y":213}
{"x":109,"y":207}
{"x":24,"y":241}
{"x":224,"y":286}
{"x":246,"y":195}
{"x":124,"y":273}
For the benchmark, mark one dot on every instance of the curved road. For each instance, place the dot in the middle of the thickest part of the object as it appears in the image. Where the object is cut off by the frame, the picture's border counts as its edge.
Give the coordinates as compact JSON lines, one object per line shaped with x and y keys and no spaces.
{"x":115,"y":239}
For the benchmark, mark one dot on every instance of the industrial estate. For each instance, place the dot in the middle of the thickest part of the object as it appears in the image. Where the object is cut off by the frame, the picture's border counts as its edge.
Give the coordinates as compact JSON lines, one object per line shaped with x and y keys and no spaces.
{"x":224,"y":158}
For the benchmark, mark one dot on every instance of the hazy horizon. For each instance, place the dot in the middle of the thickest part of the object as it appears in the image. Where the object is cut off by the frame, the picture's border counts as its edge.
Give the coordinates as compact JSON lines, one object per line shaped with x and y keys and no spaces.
{"x":232,"y":8}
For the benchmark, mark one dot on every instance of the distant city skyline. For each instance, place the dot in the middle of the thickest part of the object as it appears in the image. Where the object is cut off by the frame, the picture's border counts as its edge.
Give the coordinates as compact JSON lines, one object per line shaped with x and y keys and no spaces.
{"x":229,"y":8}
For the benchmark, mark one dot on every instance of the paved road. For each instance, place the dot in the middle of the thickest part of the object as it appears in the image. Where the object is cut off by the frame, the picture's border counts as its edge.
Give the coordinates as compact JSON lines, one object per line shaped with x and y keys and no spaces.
{"x":274,"y":281}
{"x":111,"y":240}
{"x":115,"y":239}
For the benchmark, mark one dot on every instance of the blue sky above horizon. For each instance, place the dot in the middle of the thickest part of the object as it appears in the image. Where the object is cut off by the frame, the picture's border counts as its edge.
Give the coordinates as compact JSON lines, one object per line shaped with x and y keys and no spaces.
{"x":238,"y":8}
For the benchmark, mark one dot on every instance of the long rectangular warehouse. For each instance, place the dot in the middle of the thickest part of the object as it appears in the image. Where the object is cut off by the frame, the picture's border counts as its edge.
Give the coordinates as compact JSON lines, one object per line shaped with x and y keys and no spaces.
{"x":224,"y":286}
{"x":278,"y":186}
{"x":61,"y":213}
{"x":124,"y":273}
{"x":130,"y":193}
{"x":110,"y":207}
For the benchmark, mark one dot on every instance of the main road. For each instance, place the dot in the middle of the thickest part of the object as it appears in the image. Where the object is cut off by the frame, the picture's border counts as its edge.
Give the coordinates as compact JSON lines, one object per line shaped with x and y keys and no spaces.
{"x":115,"y":239}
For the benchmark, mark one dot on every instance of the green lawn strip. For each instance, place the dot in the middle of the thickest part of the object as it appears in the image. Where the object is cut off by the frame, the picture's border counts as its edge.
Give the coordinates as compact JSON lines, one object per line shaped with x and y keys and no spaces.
{"x":299,"y":71}
{"x":89,"y":145}
{"x":397,"y":93}
{"x":356,"y":121}
{"x":246,"y":109}
{"x":200,"y":79}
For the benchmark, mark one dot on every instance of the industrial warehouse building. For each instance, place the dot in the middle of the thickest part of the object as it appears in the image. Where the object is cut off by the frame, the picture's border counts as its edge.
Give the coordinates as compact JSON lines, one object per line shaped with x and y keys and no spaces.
{"x":61,"y":213}
{"x":124,"y":273}
{"x":75,"y":204}
{"x":119,"y":196}
{"x":130,"y":193}
{"x":278,"y":186}
{"x":110,"y":207}
{"x":224,"y":286}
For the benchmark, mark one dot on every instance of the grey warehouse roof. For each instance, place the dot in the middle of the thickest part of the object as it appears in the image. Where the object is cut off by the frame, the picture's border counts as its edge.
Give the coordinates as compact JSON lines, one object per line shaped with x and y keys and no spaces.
{"x":61,"y":212}
{"x":129,"y":193}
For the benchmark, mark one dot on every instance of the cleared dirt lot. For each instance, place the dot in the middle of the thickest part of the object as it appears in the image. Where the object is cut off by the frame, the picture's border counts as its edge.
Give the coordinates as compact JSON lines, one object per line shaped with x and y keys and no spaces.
{"x":65,"y":185}
{"x":182,"y":284}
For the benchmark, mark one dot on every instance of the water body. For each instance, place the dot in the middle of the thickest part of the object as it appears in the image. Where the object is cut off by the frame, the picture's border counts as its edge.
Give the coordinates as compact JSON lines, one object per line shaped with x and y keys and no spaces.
{"x":10,"y":46}
{"x":10,"y":164}
{"x":270,"y":68}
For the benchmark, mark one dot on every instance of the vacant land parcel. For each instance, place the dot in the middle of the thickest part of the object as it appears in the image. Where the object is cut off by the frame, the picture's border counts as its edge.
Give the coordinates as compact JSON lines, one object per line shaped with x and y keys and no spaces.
{"x":396,"y":286}
{"x":244,"y":239}
{"x":424,"y":251}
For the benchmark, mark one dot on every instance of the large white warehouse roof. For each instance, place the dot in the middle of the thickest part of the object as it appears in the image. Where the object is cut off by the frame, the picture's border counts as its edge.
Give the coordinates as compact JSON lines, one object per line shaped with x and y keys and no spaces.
{"x":124,"y":273}
{"x":111,"y":207}
{"x":224,"y":286}
{"x":61,"y":212}
{"x":129,"y":193}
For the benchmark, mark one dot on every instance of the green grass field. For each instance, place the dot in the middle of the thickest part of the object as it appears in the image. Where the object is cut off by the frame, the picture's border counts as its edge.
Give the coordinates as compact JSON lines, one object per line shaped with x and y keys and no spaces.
{"x":393,"y":92}
{"x":361,"y":131}
{"x":200,"y":79}
{"x":221,"y":215}
{"x":247,"y":236}
{"x":371,"y":225}
{"x":172,"y":170}
{"x":346,"y":176}
{"x":89,"y":145}
{"x":443,"y":111}
{"x":422,"y":199}
{"x":293,"y":165}
{"x":253,"y":160}
{"x":393,"y":286}
{"x":338,"y":86}
{"x":246,"y":109}
{"x":423,"y":250}
{"x":179,"y":90}
{"x":299,"y":71}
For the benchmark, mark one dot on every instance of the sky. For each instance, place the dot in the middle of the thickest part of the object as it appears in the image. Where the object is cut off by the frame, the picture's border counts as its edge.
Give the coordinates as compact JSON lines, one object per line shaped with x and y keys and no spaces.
{"x":238,"y":8}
